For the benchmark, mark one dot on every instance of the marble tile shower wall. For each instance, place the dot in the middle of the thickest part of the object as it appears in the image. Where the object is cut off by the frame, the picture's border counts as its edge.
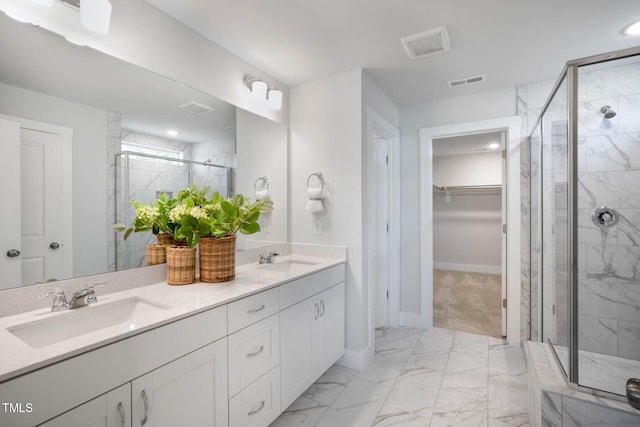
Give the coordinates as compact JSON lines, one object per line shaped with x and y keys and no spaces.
{"x":609,"y":175}
{"x":114,"y":130}
{"x":530,"y":99}
{"x":221,"y":151}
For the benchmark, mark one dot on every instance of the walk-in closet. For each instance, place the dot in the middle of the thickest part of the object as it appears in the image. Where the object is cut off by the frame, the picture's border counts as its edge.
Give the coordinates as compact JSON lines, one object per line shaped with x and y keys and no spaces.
{"x":468,"y":234}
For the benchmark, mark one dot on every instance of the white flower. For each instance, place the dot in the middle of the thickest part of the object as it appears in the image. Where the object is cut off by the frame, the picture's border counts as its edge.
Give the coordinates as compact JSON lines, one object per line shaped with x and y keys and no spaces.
{"x":176,"y":214}
{"x":198,"y":213}
{"x":147,"y":214}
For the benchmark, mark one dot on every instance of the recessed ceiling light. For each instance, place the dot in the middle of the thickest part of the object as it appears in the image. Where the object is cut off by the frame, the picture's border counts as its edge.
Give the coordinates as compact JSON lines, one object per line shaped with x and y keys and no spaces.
{"x":494,"y":146}
{"x":632,"y":29}
{"x":172,"y":132}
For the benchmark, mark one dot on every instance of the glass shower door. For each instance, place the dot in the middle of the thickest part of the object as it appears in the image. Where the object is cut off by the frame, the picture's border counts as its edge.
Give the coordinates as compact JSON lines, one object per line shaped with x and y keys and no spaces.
{"x":554,"y":229}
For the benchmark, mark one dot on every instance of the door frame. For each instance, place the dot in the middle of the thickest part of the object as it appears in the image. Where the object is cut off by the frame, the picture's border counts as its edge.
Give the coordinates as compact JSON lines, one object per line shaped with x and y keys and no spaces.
{"x":66,"y":137}
{"x":378,"y":126}
{"x":513,"y":127}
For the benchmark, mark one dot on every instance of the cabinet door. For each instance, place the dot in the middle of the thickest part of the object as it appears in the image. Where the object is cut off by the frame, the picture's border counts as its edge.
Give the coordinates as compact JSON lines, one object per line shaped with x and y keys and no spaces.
{"x":330,"y":327}
{"x":190,"y":391}
{"x":298,"y":352}
{"x":112,"y":409}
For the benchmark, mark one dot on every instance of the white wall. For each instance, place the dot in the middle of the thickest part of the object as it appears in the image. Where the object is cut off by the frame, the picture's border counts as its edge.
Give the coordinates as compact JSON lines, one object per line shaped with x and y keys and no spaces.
{"x":468,"y":169}
{"x":327,"y":135}
{"x":467,"y":231}
{"x":89,"y":172}
{"x":143,"y":35}
{"x":467,"y":225}
{"x":479,"y":106}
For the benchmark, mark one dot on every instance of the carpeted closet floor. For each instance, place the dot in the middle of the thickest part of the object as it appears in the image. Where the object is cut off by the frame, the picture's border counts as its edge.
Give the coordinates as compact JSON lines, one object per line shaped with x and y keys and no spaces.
{"x":468,"y":302}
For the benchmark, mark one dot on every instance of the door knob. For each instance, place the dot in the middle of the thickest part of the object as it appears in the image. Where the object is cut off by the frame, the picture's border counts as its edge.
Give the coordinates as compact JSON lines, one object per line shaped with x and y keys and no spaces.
{"x":54,"y":245}
{"x":12,"y":253}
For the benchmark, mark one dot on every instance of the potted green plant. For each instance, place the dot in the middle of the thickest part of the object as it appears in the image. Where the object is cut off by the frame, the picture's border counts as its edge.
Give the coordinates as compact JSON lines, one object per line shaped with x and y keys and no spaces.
{"x":155,"y":218}
{"x":212,"y":223}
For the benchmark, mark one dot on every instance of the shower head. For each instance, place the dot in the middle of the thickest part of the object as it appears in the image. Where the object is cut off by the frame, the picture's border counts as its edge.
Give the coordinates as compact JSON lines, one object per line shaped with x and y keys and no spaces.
{"x":607,"y":112}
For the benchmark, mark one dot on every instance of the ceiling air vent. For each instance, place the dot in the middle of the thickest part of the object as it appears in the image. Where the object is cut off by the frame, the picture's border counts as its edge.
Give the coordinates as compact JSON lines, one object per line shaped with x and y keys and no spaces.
{"x":427,"y":43}
{"x":466,"y":81}
{"x":195,"y":108}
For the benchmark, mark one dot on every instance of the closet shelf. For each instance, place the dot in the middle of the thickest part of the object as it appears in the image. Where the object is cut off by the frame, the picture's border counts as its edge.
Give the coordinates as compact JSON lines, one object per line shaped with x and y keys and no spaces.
{"x":467,"y":187}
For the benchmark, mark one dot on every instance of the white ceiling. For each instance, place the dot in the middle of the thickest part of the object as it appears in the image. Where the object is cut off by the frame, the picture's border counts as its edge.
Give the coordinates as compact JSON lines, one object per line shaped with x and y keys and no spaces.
{"x":510,"y":41}
{"x":148,"y":102}
{"x":467,"y":144}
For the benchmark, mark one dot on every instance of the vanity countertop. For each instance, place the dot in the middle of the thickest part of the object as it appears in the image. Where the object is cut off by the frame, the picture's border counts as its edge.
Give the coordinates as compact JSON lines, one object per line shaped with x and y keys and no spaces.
{"x":177,"y":302}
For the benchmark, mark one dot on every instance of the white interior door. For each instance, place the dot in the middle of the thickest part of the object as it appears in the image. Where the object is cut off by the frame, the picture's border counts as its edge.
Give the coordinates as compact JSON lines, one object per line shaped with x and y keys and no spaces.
{"x":41,"y":212}
{"x":380,"y":267}
{"x":10,"y":265}
{"x":503,"y":265}
{"x":43,"y":242}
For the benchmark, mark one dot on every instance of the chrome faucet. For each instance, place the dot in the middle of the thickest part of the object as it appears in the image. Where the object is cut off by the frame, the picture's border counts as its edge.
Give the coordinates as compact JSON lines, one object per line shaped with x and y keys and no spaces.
{"x":59,"y":300}
{"x":80,"y":298}
{"x":84,"y":296}
{"x":267,"y":257}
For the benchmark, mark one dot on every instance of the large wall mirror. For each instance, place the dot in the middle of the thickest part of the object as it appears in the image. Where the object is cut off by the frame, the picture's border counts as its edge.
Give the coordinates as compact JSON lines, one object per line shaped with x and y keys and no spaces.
{"x":83,"y":133}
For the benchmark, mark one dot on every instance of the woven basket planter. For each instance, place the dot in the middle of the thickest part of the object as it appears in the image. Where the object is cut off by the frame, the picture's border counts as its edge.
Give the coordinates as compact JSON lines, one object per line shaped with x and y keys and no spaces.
{"x":181,"y":265}
{"x":156,"y":254}
{"x":167,"y":239}
{"x":217,"y":259}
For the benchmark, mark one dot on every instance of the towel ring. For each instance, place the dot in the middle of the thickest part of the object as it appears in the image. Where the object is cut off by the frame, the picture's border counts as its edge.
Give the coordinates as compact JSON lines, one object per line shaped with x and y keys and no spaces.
{"x":317,"y":175}
{"x":265,"y":183}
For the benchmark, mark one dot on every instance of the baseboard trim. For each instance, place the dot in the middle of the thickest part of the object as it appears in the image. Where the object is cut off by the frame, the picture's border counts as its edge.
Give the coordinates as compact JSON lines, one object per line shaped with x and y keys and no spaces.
{"x":356,"y":359}
{"x":489,"y":269}
{"x":413,"y":320}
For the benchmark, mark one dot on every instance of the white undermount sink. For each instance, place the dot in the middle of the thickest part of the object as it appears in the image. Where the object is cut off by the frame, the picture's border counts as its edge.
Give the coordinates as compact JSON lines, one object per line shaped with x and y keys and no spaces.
{"x":289,"y":266}
{"x":85,"y":320}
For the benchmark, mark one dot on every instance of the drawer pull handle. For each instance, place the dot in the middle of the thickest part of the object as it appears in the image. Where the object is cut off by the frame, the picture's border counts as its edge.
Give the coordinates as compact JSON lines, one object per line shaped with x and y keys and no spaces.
{"x":123,"y":420}
{"x":260,"y":350}
{"x":255,"y":310}
{"x":146,"y":407}
{"x":255,"y":411}
{"x":316,"y":311}
{"x":322,"y":306}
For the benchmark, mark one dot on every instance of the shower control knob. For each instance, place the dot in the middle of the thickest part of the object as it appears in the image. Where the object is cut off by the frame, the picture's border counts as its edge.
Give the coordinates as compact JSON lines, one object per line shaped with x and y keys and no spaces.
{"x":604,"y":217}
{"x":54,"y":245}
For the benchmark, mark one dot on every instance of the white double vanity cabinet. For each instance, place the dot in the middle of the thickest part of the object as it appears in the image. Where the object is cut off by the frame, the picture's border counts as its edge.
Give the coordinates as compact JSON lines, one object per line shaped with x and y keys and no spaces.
{"x":234,"y":354}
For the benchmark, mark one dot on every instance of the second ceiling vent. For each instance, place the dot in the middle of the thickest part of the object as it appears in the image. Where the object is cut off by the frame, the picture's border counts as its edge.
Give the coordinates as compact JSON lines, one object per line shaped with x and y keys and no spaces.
{"x":427,"y":43}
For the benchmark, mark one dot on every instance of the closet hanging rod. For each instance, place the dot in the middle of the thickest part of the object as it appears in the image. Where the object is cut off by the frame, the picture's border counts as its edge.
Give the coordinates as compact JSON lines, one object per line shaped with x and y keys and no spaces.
{"x":467,"y":187}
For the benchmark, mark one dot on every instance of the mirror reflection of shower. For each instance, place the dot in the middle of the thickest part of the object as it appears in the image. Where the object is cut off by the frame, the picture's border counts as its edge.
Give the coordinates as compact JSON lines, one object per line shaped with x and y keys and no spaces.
{"x":607,"y":112}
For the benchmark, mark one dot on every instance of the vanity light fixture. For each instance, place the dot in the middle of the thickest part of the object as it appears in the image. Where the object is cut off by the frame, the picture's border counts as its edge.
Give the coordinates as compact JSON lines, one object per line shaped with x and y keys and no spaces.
{"x":172,"y":132}
{"x":632,"y":29}
{"x":263,"y":92}
{"x":494,"y":146}
{"x":257,"y":87}
{"x":274,"y":97}
{"x":96,"y":15}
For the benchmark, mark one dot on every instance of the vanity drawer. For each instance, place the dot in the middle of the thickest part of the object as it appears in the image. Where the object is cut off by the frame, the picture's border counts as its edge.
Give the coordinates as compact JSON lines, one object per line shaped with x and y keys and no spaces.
{"x":253,"y":352}
{"x":257,"y":405}
{"x":249,"y":310}
{"x":307,"y":286}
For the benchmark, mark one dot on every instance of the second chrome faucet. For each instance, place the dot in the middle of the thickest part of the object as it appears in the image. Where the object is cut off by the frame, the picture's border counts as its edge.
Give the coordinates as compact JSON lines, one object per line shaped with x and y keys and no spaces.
{"x":80,"y":298}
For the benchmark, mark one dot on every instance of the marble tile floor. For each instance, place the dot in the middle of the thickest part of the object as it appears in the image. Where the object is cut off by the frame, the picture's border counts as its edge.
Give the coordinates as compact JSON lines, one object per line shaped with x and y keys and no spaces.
{"x":418,"y":377}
